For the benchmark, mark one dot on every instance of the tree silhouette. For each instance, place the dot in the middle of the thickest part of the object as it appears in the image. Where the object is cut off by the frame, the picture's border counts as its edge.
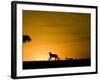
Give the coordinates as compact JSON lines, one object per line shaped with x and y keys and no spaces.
{"x":26,"y":38}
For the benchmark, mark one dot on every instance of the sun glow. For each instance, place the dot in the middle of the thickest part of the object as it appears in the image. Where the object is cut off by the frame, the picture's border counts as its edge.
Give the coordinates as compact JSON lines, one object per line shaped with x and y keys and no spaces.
{"x":64,"y":34}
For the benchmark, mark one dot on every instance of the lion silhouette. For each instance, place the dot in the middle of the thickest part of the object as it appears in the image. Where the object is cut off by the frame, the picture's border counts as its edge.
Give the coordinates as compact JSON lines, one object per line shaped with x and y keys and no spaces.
{"x":55,"y":56}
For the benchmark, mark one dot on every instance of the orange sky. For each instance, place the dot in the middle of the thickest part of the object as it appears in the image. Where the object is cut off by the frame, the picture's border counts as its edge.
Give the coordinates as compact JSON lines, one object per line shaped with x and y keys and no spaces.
{"x":62,"y":33}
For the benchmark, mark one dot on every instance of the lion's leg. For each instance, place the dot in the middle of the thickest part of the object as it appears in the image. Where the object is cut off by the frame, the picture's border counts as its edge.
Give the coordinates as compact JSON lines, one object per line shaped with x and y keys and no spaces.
{"x":58,"y":58}
{"x":50,"y":58}
{"x":55,"y":58}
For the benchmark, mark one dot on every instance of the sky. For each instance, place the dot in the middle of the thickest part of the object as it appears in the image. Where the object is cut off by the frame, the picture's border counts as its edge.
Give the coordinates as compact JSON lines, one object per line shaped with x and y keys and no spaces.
{"x":62,"y":33}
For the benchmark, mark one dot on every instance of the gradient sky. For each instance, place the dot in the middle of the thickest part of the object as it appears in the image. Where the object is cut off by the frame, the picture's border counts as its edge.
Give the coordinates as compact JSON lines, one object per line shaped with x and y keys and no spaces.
{"x":62,"y":33}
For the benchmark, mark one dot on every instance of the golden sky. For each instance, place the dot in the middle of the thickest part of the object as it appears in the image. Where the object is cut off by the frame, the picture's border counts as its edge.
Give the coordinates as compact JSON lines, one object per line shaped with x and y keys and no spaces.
{"x":62,"y":33}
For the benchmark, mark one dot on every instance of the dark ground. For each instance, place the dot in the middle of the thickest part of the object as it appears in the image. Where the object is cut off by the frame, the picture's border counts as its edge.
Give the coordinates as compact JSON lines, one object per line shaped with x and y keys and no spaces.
{"x":56,"y":64}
